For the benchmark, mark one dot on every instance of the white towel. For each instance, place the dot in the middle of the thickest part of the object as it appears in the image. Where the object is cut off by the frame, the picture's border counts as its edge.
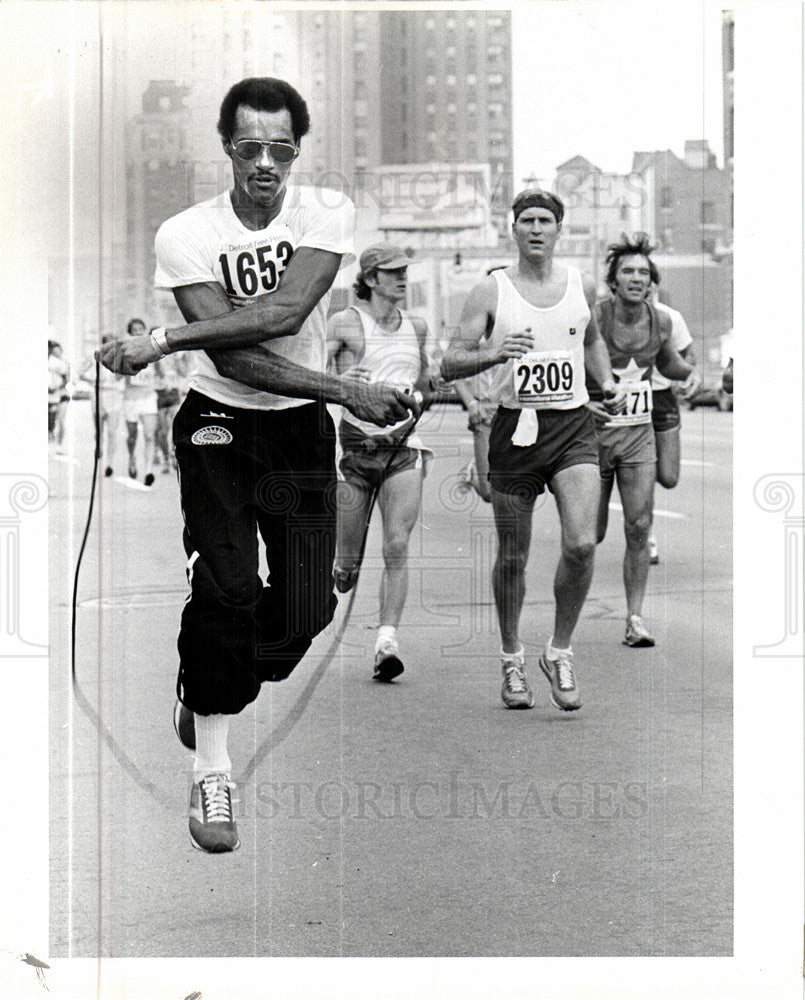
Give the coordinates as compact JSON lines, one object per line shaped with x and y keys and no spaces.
{"x":525,"y":433}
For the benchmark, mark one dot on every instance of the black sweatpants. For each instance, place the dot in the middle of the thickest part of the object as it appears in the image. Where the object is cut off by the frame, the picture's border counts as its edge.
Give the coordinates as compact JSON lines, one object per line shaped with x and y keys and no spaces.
{"x":242,"y":471}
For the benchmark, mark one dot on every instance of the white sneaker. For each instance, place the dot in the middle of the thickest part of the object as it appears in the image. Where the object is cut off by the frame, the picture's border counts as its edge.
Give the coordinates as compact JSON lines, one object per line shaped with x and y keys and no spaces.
{"x":653,"y":555}
{"x":515,"y":691}
{"x":388,"y":664}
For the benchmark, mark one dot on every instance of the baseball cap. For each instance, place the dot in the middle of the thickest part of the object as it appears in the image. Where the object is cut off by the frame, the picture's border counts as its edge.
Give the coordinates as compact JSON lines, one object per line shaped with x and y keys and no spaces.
{"x":384,"y":257}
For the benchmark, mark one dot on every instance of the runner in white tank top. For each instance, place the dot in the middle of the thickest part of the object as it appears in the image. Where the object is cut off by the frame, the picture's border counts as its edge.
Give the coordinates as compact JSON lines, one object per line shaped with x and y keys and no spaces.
{"x":377,"y":342}
{"x":531,"y":324}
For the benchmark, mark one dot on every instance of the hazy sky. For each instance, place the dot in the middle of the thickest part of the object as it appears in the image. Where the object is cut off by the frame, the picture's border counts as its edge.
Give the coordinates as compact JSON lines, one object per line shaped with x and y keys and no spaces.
{"x":605,"y":78}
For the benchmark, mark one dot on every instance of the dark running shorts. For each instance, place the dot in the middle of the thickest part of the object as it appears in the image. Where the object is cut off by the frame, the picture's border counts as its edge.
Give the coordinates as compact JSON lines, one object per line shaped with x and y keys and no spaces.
{"x":369,"y":460}
{"x":565,"y":438}
{"x":665,"y":410}
{"x":625,"y":446}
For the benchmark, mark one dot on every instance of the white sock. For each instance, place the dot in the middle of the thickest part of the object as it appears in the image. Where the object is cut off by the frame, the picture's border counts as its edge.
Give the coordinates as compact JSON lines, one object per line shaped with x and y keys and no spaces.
{"x":385,"y":632}
{"x":552,"y":651}
{"x":508,"y":657}
{"x":212,"y":755}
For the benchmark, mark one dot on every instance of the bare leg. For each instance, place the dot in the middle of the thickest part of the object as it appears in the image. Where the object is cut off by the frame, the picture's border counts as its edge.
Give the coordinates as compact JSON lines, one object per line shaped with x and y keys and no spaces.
{"x":669,"y":457}
{"x":400,"y":499}
{"x":577,"y":491}
{"x":636,"y":487}
{"x":353,"y":508}
{"x":513,"y":524}
{"x":149,"y":422}
{"x":132,"y":429}
{"x":480,"y":482}
{"x":605,"y":487}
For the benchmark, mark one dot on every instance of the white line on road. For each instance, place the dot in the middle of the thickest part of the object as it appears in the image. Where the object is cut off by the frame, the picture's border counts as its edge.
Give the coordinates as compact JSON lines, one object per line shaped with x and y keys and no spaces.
{"x":132,"y":484}
{"x":657,"y":513}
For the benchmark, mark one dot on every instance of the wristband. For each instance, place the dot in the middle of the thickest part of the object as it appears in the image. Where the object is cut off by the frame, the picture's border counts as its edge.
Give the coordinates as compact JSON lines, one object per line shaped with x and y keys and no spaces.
{"x":160,"y":341}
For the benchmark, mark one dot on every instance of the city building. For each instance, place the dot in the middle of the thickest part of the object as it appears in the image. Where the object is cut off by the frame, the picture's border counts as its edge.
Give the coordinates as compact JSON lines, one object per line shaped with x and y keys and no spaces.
{"x":445,"y":89}
{"x":687,"y":204}
{"x":159,"y":183}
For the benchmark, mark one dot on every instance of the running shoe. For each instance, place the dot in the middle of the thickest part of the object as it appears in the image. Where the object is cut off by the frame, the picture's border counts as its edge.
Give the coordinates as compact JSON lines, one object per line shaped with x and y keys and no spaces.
{"x":653,"y":554}
{"x":564,"y":693}
{"x":212,"y":823}
{"x":515,"y":691}
{"x":184,"y":722}
{"x":149,"y":479}
{"x":132,"y":470}
{"x":388,"y":664}
{"x":636,"y":632}
{"x":345,"y":579}
{"x":108,"y":471}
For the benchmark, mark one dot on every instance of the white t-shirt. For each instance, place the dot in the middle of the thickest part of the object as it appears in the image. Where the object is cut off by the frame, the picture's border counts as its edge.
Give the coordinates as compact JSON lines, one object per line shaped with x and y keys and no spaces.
{"x":208,"y":242}
{"x":680,"y":338}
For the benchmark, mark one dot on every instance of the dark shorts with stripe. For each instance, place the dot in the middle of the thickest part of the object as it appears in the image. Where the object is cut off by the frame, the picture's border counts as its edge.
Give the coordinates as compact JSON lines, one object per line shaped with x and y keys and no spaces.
{"x":368,"y":460}
{"x":665,"y":410}
{"x":565,"y":438}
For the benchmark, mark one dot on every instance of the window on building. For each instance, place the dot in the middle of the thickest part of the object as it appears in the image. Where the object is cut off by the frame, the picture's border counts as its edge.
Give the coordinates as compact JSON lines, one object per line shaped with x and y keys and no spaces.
{"x":708,"y":213}
{"x":495,"y":79}
{"x":472,"y":79}
{"x":666,"y":197}
{"x":450,"y":79}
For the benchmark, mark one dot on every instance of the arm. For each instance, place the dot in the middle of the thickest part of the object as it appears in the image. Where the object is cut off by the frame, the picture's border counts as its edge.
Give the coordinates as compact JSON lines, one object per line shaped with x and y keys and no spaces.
{"x":671,"y":364}
{"x":596,"y":360}
{"x":307,"y":278}
{"x":422,"y":384}
{"x":261,"y":369}
{"x":464,"y":355}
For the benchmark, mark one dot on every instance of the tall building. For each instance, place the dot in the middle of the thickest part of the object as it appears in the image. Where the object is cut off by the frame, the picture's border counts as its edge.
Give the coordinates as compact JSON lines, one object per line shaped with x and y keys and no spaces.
{"x":687,"y":203}
{"x":158,"y":183}
{"x":445,"y":89}
{"x":728,"y":91}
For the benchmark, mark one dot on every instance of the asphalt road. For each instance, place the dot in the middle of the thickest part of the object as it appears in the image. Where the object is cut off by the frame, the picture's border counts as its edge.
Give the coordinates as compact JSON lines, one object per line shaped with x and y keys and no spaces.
{"x":419,"y":818}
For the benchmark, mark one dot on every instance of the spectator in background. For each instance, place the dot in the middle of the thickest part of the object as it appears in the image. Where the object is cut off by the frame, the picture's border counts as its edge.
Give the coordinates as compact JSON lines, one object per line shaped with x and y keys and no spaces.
{"x":140,"y":410}
{"x":665,"y":409}
{"x":58,"y":377}
{"x":172,"y":376}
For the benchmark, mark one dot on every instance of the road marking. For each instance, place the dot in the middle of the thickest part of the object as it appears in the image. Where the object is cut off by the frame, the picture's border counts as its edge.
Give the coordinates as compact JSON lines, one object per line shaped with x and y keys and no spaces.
{"x":67,"y":459}
{"x":132,"y":484}
{"x":671,"y":514}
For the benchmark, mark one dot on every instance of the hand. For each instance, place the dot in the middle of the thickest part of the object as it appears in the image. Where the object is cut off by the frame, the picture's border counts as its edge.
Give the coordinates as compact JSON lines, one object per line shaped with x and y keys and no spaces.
{"x":475,"y":414}
{"x":359,"y":374}
{"x":379,"y":403}
{"x":691,"y":385}
{"x":129,"y":355}
{"x":614,"y":398}
{"x":598,"y":409}
{"x":515,"y":345}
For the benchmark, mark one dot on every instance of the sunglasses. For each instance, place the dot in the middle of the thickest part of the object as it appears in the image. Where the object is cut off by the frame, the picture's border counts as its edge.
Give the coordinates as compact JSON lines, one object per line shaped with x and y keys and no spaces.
{"x":250,"y":149}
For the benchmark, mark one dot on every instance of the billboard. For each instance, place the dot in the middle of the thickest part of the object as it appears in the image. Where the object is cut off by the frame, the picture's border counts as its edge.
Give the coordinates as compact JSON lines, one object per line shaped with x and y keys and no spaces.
{"x":434,"y":197}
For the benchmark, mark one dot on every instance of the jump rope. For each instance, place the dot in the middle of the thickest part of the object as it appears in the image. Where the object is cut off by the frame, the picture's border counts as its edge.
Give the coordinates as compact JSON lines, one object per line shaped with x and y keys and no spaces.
{"x":283,"y":728}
